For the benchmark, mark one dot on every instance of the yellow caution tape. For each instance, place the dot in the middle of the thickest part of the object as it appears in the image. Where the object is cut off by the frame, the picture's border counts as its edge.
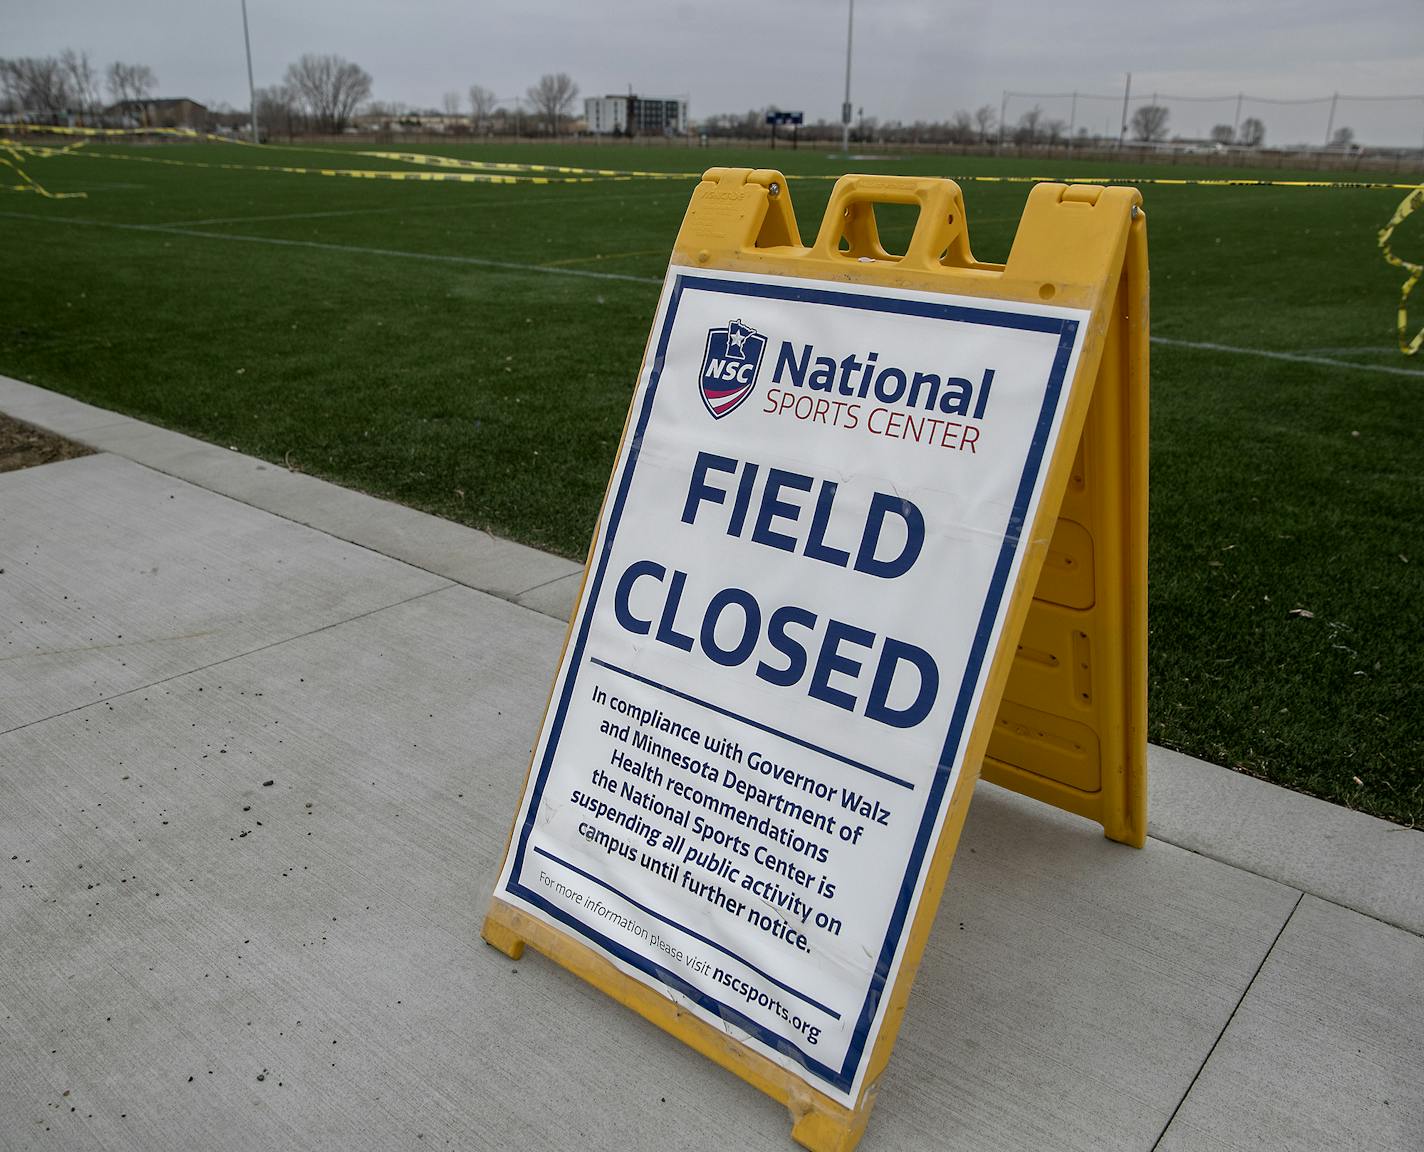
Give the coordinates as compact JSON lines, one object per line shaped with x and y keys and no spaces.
{"x":637,"y":174}
{"x":452,"y":169}
{"x":499,"y":166}
{"x":44,"y":151}
{"x":420,"y":158}
{"x":1204,"y":182}
{"x":356,"y":173}
{"x":1407,"y":344}
{"x":27,"y":182}
{"x":65,"y":130}
{"x":427,"y":159}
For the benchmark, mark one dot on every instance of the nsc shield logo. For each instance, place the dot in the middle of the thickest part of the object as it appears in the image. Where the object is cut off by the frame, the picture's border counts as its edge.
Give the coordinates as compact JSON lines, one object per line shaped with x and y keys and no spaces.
{"x":730,"y":366}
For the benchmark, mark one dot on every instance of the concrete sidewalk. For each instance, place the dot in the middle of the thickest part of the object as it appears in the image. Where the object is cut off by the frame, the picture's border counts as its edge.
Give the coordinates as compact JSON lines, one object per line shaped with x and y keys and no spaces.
{"x":261,"y":739}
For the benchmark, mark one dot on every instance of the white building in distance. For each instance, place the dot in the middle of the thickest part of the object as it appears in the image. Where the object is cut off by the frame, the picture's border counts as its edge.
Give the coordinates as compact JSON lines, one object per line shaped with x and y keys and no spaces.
{"x":632,"y":115}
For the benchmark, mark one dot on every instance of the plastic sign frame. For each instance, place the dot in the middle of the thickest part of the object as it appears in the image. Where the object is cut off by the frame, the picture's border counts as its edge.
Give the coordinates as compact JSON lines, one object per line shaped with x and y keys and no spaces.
{"x":739,"y":244}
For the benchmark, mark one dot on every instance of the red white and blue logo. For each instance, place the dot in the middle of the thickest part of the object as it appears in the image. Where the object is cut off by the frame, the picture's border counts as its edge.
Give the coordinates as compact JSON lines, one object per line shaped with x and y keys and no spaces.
{"x":730,"y":366}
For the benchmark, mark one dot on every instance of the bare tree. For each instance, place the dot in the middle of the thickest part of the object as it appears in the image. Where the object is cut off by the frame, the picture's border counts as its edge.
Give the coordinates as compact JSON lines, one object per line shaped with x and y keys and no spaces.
{"x":11,"y":91}
{"x":1253,"y":132}
{"x":482,"y":102}
{"x":1149,"y":123}
{"x":130,"y":83}
{"x":82,"y":81}
{"x":750,"y":125}
{"x":9,"y":88}
{"x":1223,"y":134}
{"x":986,"y":120}
{"x":1054,"y":130}
{"x":1343,"y":139}
{"x":36,"y":84}
{"x":1029,"y":126}
{"x":961,"y":128}
{"x":388,"y":112}
{"x":451,"y":103}
{"x":553,"y":98}
{"x":329,"y":88}
{"x":277,"y":110}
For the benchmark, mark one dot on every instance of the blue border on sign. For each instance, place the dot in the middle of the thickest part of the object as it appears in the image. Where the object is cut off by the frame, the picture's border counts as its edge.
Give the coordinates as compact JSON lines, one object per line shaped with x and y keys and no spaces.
{"x":1066,"y":329}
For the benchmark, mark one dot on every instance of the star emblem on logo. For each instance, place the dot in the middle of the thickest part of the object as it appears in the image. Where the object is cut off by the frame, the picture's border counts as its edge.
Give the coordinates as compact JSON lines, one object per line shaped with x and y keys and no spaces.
{"x":737,"y":336}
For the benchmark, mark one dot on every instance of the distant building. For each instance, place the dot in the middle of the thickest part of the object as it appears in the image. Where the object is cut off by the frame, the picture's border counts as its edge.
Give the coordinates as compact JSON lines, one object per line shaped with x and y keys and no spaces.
{"x":632,"y":115}
{"x":178,"y":112}
{"x":381,"y":119}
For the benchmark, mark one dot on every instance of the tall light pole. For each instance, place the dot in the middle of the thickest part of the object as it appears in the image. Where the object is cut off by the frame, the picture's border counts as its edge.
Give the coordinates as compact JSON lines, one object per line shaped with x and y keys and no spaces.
{"x":251,"y":90}
{"x":1126,"y":96}
{"x":845,"y":108}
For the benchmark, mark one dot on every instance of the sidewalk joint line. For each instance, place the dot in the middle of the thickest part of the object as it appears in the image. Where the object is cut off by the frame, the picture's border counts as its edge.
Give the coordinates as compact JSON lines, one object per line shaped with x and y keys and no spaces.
{"x":544,"y":584}
{"x":227,"y":659}
{"x":1376,"y":917}
{"x":509,"y":598}
{"x":1244,"y":993}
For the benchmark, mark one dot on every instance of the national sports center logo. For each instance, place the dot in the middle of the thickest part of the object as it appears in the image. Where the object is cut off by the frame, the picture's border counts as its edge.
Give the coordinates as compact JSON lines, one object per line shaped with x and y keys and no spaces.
{"x":730,"y":366}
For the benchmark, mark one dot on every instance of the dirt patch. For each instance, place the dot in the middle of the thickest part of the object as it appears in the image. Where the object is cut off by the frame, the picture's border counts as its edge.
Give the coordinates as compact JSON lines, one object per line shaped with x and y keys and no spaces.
{"x":23,"y":446}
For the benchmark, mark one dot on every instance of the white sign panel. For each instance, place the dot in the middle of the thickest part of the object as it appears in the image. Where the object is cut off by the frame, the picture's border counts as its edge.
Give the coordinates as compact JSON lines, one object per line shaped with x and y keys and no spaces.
{"x":799,"y":578}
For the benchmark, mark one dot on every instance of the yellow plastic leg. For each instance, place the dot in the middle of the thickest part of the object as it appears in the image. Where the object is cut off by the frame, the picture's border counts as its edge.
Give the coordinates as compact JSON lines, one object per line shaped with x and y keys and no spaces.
{"x":499,"y":935}
{"x":828,"y":1129}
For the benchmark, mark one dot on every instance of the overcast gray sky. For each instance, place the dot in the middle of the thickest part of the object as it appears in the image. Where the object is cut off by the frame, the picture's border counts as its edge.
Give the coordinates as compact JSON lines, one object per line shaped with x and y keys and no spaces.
{"x":913,"y":58}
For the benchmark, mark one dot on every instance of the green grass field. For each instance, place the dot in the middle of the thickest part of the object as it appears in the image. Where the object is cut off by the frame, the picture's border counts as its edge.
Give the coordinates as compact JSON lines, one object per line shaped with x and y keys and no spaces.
{"x":417,"y":341}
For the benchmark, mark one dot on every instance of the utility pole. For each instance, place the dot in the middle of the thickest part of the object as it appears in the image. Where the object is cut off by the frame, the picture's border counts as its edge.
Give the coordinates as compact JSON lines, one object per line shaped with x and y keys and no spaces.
{"x":1126,"y":96}
{"x":1003,"y":111}
{"x":845,"y":108}
{"x":1330,"y":124}
{"x":251,"y":91}
{"x":1236,"y":127}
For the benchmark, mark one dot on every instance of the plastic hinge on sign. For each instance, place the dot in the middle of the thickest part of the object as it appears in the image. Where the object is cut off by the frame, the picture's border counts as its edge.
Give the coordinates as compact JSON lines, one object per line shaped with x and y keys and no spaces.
{"x":751,"y":209}
{"x":778,"y":228}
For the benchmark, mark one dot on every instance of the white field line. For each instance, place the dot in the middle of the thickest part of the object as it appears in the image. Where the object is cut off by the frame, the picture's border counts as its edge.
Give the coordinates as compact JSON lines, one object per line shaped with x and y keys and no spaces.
{"x":1294,"y":357}
{"x":589,"y":274}
{"x":1377,"y":350}
{"x":260,"y":219}
{"x":360,"y":250}
{"x":100,"y":187}
{"x":466,"y":205}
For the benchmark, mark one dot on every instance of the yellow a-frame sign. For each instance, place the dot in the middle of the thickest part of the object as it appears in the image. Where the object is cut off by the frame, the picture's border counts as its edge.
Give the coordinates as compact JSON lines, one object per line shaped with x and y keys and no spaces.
{"x":863,"y":499}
